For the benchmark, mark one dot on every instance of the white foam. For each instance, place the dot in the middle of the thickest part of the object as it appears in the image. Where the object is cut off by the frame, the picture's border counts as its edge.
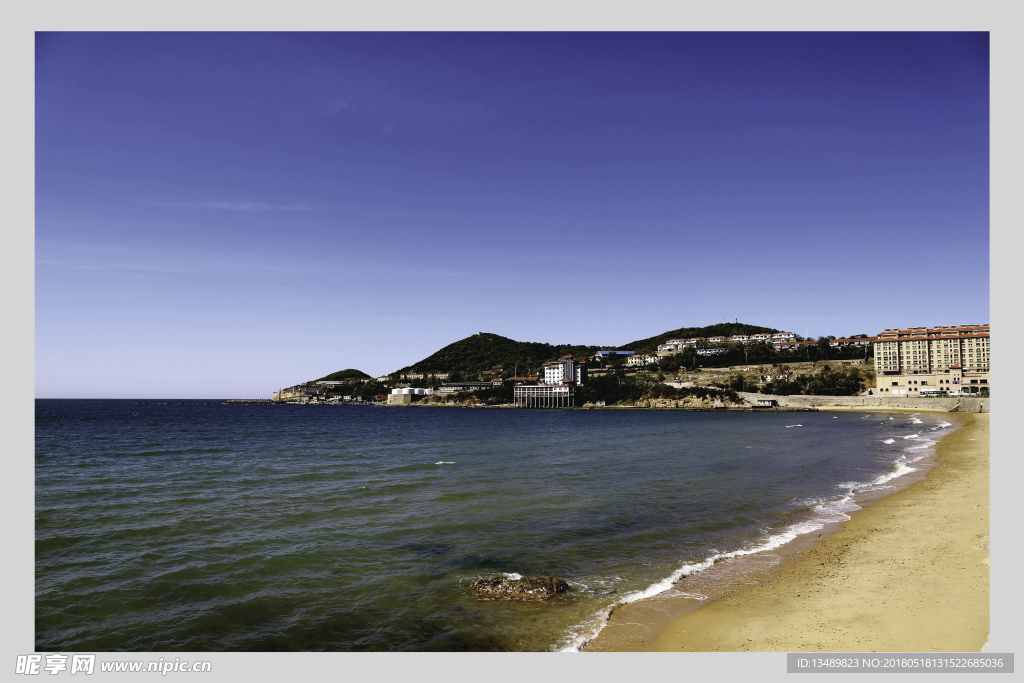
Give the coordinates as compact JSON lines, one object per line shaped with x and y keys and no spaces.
{"x":512,"y":575}
{"x":825,"y":511}
{"x":445,"y":462}
{"x":899,"y":470}
{"x":695,"y":596}
{"x":832,"y":511}
{"x":911,"y":436}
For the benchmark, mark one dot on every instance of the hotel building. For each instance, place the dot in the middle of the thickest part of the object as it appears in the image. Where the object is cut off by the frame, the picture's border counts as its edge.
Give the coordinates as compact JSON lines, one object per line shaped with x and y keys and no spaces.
{"x":561,"y":377}
{"x":927,"y":360}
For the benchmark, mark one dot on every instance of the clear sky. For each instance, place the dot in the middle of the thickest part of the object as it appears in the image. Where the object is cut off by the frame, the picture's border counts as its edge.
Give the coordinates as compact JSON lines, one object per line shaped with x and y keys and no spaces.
{"x":226,"y":214}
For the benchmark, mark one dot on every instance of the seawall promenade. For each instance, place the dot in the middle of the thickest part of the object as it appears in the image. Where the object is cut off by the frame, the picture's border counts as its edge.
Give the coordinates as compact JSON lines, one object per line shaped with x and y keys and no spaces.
{"x":964,"y":404}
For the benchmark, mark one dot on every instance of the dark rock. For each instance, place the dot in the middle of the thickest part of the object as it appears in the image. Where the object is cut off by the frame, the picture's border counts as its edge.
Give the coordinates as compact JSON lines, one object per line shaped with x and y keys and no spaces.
{"x":526,"y":588}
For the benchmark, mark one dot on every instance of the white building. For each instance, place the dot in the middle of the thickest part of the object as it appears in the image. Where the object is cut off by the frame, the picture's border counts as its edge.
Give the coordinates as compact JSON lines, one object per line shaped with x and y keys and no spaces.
{"x":673,"y":345}
{"x":456,"y":387}
{"x":565,"y":369}
{"x":561,"y":377}
{"x":641,"y":360}
{"x":544,"y":396}
{"x":403,"y":396}
{"x":860,"y":341}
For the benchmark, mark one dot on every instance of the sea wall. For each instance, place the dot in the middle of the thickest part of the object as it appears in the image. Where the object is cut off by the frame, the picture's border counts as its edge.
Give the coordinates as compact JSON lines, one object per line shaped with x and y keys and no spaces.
{"x":965,"y":404}
{"x":689,"y":402}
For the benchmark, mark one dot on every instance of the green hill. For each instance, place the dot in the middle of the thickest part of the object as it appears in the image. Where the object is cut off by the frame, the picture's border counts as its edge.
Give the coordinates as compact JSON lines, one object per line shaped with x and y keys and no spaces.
{"x":650,"y":344}
{"x":344,"y":374}
{"x":486,"y":351}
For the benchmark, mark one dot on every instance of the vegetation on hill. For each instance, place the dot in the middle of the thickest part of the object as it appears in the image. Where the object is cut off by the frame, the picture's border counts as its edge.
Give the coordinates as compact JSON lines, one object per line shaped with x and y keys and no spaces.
{"x":350,"y":373}
{"x":823,"y":381}
{"x":486,"y":353}
{"x":618,"y":387}
{"x":490,"y":356}
{"x":674,"y":393}
{"x":760,"y":353}
{"x":650,"y":344}
{"x":827,"y":381}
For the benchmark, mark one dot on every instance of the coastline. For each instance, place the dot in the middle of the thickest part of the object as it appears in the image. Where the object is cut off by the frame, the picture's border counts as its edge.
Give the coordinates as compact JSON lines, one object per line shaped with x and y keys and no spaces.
{"x":909,"y":573}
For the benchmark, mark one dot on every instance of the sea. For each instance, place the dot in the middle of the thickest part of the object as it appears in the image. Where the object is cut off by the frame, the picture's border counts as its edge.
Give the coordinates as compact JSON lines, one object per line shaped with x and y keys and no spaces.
{"x":169,"y":525}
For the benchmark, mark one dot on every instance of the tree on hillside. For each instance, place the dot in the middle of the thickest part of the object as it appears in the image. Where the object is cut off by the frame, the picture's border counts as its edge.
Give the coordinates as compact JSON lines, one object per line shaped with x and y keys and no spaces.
{"x":829,"y":382}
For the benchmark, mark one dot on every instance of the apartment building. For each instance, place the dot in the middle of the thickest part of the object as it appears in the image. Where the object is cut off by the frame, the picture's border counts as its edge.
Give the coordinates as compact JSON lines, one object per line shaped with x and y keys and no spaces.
{"x":922,"y":360}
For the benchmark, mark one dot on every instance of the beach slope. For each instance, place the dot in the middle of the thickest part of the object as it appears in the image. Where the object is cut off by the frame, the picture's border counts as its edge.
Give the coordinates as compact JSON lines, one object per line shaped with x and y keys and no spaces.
{"x":908,"y":574}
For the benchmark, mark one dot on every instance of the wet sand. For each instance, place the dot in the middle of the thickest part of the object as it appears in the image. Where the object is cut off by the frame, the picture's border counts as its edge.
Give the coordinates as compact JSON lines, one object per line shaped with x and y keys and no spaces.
{"x":910,"y":573}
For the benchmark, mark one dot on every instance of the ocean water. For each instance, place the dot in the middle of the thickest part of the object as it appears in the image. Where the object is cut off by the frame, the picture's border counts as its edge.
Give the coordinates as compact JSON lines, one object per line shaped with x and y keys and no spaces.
{"x":199,"y":526}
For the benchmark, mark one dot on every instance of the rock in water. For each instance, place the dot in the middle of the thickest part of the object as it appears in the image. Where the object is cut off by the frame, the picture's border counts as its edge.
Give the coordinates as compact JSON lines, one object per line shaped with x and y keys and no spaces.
{"x":526,"y":588}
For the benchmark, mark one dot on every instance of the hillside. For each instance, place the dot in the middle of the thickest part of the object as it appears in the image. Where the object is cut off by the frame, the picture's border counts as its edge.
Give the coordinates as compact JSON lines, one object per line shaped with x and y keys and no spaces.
{"x":350,"y":373}
{"x":486,"y":351}
{"x":650,"y":344}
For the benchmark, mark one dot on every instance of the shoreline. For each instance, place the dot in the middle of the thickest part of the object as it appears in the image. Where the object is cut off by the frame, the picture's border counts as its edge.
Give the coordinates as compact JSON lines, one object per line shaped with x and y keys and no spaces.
{"x":729,"y":409}
{"x":894,"y":577}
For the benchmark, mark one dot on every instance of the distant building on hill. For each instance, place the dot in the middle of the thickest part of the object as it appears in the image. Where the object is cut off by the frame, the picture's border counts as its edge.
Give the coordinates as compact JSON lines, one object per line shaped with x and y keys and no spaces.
{"x":423,"y":375}
{"x":919,"y":361}
{"x":606,"y":355}
{"x":456,"y":387}
{"x":854,"y":341}
{"x":676,"y":345}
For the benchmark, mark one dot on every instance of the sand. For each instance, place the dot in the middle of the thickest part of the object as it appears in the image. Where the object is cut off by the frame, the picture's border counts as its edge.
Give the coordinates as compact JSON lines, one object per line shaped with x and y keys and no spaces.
{"x":908,"y":574}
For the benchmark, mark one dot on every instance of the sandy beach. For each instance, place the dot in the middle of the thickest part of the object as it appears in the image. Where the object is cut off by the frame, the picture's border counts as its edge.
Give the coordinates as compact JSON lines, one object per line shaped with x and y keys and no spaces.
{"x":910,"y":573}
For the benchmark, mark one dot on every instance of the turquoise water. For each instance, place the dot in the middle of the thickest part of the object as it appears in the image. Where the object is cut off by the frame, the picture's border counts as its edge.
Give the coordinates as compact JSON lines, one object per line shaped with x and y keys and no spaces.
{"x":198,"y":526}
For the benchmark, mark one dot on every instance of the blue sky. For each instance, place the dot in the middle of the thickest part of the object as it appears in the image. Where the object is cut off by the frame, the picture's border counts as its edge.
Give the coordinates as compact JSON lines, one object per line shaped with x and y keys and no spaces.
{"x":222,"y":215}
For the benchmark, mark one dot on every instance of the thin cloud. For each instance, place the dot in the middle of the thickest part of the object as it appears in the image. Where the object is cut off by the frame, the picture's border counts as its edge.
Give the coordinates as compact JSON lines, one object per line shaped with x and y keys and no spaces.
{"x":92,"y":265}
{"x":336,"y":105}
{"x":235,"y":206}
